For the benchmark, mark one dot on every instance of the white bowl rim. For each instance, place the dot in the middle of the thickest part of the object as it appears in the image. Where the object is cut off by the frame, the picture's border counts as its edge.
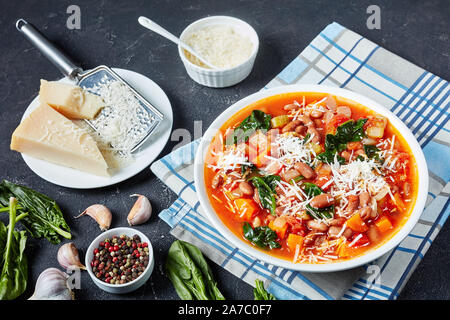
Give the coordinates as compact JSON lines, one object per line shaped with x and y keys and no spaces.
{"x":326,"y":267}
{"x":229,"y":70}
{"x":118,"y":231}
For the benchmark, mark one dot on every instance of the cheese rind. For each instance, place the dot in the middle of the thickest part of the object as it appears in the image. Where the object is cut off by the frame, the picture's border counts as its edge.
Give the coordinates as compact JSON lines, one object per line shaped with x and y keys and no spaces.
{"x":46,"y":134}
{"x":69,"y":100}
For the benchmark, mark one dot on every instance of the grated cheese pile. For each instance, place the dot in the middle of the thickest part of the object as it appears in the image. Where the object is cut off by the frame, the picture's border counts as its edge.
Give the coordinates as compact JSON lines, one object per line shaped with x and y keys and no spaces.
{"x":119,"y":126}
{"x":220,"y":45}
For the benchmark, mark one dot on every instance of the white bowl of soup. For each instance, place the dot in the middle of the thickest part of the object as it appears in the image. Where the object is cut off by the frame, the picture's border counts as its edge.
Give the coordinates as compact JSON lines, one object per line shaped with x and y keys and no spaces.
{"x":311,"y":178}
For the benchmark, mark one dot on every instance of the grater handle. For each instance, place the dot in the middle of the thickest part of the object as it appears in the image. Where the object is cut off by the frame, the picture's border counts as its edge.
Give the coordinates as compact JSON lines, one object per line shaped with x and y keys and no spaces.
{"x":55,"y":55}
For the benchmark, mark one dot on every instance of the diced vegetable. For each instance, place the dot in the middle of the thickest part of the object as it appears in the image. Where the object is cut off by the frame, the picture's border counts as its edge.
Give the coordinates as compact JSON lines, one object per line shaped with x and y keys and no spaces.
{"x":383,"y":224}
{"x":246,"y":208}
{"x":279,"y":121}
{"x":375,"y":127}
{"x":294,"y":240}
{"x":356,"y":223}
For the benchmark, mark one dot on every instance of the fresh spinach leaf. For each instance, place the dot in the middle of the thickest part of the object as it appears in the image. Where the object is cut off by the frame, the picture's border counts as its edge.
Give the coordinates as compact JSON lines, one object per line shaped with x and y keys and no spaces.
{"x":44,"y":218}
{"x":260,"y":293}
{"x":14,"y":265}
{"x":265,"y":187}
{"x":263,"y":237}
{"x":257,"y":120}
{"x":313,"y":190}
{"x":190,"y":274}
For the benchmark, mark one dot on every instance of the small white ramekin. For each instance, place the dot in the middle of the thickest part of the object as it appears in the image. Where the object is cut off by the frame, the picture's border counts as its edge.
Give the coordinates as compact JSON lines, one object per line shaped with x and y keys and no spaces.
{"x":226,"y":77}
{"x":129,"y":286}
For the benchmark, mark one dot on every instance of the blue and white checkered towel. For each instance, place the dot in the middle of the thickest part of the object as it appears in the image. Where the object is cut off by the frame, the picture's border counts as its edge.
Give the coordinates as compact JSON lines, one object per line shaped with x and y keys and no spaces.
{"x":337,"y":57}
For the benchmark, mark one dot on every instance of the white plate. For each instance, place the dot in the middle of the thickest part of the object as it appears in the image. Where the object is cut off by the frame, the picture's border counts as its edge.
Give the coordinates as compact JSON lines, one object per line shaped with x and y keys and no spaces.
{"x":336,"y":266}
{"x":72,"y":178}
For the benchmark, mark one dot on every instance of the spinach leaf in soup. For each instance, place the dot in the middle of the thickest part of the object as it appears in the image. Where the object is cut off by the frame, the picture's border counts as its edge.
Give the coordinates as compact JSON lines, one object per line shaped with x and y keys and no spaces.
{"x":265,"y":186}
{"x":372,"y":152}
{"x":349,"y":131}
{"x":257,"y":120}
{"x":263,"y":236}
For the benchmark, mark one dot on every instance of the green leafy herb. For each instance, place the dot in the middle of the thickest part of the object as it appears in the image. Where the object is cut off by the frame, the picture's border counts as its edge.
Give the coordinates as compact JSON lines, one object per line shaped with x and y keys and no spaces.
{"x":349,"y":131}
{"x":329,"y":155}
{"x":258,"y":120}
{"x":190,"y":273}
{"x":313,"y":190}
{"x":260,"y":293}
{"x":266,"y":191}
{"x":44,"y":218}
{"x":14,"y":266}
{"x":263,"y":237}
{"x":372,"y":151}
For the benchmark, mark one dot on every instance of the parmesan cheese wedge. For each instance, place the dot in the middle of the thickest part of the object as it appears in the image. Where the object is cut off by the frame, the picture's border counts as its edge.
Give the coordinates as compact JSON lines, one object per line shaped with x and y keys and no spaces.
{"x":46,"y":134}
{"x":69,"y":100}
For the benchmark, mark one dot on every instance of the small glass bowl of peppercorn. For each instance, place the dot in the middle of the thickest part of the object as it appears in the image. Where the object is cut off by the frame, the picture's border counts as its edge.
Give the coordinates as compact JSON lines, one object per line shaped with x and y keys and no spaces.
{"x":120,"y":260}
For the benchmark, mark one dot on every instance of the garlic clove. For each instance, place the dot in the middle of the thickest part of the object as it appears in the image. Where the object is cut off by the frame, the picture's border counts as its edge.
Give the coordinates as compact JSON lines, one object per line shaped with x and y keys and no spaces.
{"x":99,"y":213}
{"x":141,"y":210}
{"x":69,"y":258}
{"x":52,"y":285}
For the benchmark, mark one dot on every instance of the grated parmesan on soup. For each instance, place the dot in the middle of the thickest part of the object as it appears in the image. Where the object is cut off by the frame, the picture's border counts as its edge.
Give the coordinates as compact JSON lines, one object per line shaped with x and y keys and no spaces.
{"x":220,"y":45}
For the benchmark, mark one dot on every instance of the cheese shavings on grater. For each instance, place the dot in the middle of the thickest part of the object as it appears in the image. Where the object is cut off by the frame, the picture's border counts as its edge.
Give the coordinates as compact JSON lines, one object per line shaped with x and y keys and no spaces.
{"x":125,"y":122}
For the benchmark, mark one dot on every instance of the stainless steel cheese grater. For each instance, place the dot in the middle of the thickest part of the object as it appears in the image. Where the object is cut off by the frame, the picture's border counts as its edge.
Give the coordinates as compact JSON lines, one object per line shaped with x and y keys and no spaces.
{"x":148,"y":116}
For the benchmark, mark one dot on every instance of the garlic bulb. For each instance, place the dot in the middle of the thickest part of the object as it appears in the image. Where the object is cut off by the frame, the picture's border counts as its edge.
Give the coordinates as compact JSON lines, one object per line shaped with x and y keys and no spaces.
{"x":68,"y":257}
{"x":52,"y":285}
{"x":140,"y":212}
{"x":99,"y":213}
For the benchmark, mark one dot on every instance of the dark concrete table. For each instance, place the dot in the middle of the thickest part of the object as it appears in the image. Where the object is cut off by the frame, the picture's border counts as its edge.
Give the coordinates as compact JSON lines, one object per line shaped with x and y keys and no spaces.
{"x":110,"y":34}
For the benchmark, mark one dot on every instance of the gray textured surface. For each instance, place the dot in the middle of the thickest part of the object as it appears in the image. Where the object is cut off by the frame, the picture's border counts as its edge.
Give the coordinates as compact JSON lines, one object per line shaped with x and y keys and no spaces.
{"x":110,"y":34}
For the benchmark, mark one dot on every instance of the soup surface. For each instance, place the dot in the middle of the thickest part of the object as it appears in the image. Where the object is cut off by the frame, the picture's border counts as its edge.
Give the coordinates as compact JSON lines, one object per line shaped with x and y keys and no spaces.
{"x":310,"y":177}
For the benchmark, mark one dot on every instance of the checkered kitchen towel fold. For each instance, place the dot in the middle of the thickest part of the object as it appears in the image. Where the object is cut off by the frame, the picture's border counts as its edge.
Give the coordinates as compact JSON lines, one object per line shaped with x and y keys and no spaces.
{"x":337,"y":57}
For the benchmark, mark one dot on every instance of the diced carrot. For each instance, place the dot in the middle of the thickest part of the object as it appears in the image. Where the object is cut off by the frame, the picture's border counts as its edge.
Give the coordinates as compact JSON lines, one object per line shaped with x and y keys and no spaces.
{"x":356,"y":223}
{"x":383,"y":224}
{"x":246,"y":208}
{"x":279,"y":225}
{"x":399,"y":202}
{"x":293,"y":240}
